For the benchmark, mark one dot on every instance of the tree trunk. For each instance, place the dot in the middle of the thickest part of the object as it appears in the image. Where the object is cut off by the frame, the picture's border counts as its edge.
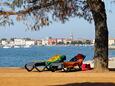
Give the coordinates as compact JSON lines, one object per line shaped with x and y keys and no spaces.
{"x":97,"y":8}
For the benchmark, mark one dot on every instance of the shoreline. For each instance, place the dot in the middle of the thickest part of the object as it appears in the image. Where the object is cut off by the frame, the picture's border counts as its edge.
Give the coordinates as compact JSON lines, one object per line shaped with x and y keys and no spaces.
{"x":111,"y":63}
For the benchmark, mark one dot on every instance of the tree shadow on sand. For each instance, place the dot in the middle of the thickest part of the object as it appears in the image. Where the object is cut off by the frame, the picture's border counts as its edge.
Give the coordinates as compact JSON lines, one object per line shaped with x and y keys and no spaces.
{"x":87,"y":84}
{"x":112,"y":69}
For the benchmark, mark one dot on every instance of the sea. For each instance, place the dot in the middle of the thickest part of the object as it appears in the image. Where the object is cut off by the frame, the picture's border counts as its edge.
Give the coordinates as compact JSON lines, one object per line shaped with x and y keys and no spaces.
{"x":18,"y":57}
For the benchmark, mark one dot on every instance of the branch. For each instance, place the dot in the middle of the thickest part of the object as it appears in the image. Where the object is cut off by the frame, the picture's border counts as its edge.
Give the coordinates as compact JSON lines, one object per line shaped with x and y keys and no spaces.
{"x":8,"y":13}
{"x":29,"y":10}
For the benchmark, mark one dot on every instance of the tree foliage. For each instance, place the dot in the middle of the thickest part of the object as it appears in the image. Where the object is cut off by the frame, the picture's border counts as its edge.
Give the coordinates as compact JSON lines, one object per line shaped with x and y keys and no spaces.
{"x":39,"y":13}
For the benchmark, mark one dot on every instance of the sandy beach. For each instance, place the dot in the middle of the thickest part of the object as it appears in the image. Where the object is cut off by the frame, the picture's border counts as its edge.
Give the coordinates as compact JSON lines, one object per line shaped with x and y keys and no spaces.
{"x":20,"y":77}
{"x":15,"y":76}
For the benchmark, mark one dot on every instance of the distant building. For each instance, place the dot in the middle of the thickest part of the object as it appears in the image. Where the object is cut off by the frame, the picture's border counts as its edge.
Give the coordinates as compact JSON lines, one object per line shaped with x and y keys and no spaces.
{"x":29,"y":42}
{"x":111,"y":41}
{"x":4,"y":42}
{"x":38,"y":42}
{"x":92,"y":41}
{"x":11,"y":43}
{"x":19,"y":42}
{"x":59,"y":40}
{"x":44,"y":42}
{"x":67,"y":41}
{"x":52,"y":41}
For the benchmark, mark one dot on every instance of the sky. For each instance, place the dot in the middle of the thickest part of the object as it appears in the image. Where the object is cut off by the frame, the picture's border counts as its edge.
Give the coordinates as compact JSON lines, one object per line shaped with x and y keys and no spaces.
{"x":80,"y":28}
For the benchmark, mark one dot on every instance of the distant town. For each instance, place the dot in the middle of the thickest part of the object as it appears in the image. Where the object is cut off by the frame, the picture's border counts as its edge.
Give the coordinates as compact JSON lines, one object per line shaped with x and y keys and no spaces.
{"x":28,"y":42}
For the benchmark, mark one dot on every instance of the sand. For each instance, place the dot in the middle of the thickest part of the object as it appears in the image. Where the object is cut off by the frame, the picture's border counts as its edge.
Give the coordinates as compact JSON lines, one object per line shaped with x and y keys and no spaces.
{"x":14,"y":76}
{"x":20,"y":77}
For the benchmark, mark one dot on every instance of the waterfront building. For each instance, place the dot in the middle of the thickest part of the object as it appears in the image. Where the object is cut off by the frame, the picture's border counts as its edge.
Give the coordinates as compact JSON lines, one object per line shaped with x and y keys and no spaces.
{"x":4,"y":42}
{"x":44,"y":42}
{"x":29,"y":42}
{"x":67,"y":41}
{"x":11,"y":43}
{"x":52,"y":41}
{"x":19,"y":42}
{"x":38,"y":42}
{"x":59,"y":40}
{"x":111,"y":41}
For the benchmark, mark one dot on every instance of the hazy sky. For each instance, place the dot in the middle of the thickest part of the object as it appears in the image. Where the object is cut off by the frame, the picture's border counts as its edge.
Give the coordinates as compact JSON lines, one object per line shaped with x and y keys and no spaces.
{"x":78,"y":27}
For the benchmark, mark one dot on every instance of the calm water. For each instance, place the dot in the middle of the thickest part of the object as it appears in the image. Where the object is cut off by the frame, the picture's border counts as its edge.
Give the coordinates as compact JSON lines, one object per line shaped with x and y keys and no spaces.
{"x":18,"y":57}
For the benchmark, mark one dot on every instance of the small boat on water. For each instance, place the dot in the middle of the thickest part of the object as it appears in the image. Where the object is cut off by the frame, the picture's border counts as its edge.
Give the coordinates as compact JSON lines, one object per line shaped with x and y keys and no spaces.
{"x":6,"y":46}
{"x":16,"y":46}
{"x":26,"y":46}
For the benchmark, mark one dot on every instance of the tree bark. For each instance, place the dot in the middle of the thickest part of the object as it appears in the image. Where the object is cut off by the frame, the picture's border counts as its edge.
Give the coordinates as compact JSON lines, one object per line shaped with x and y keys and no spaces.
{"x":97,"y":8}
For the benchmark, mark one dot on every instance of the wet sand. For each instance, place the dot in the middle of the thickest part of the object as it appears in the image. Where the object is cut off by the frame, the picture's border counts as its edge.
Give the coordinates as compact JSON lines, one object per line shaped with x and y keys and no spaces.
{"x":20,"y":77}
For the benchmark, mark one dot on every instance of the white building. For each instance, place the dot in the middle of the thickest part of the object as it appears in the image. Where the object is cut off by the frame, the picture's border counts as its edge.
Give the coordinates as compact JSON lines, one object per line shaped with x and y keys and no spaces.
{"x":4,"y":42}
{"x":39,"y":42}
{"x":67,"y":41}
{"x":44,"y":42}
{"x":93,"y":41}
{"x":19,"y":42}
{"x":29,"y":42}
{"x":11,"y":43}
{"x":59,"y":40}
{"x":111,"y":41}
